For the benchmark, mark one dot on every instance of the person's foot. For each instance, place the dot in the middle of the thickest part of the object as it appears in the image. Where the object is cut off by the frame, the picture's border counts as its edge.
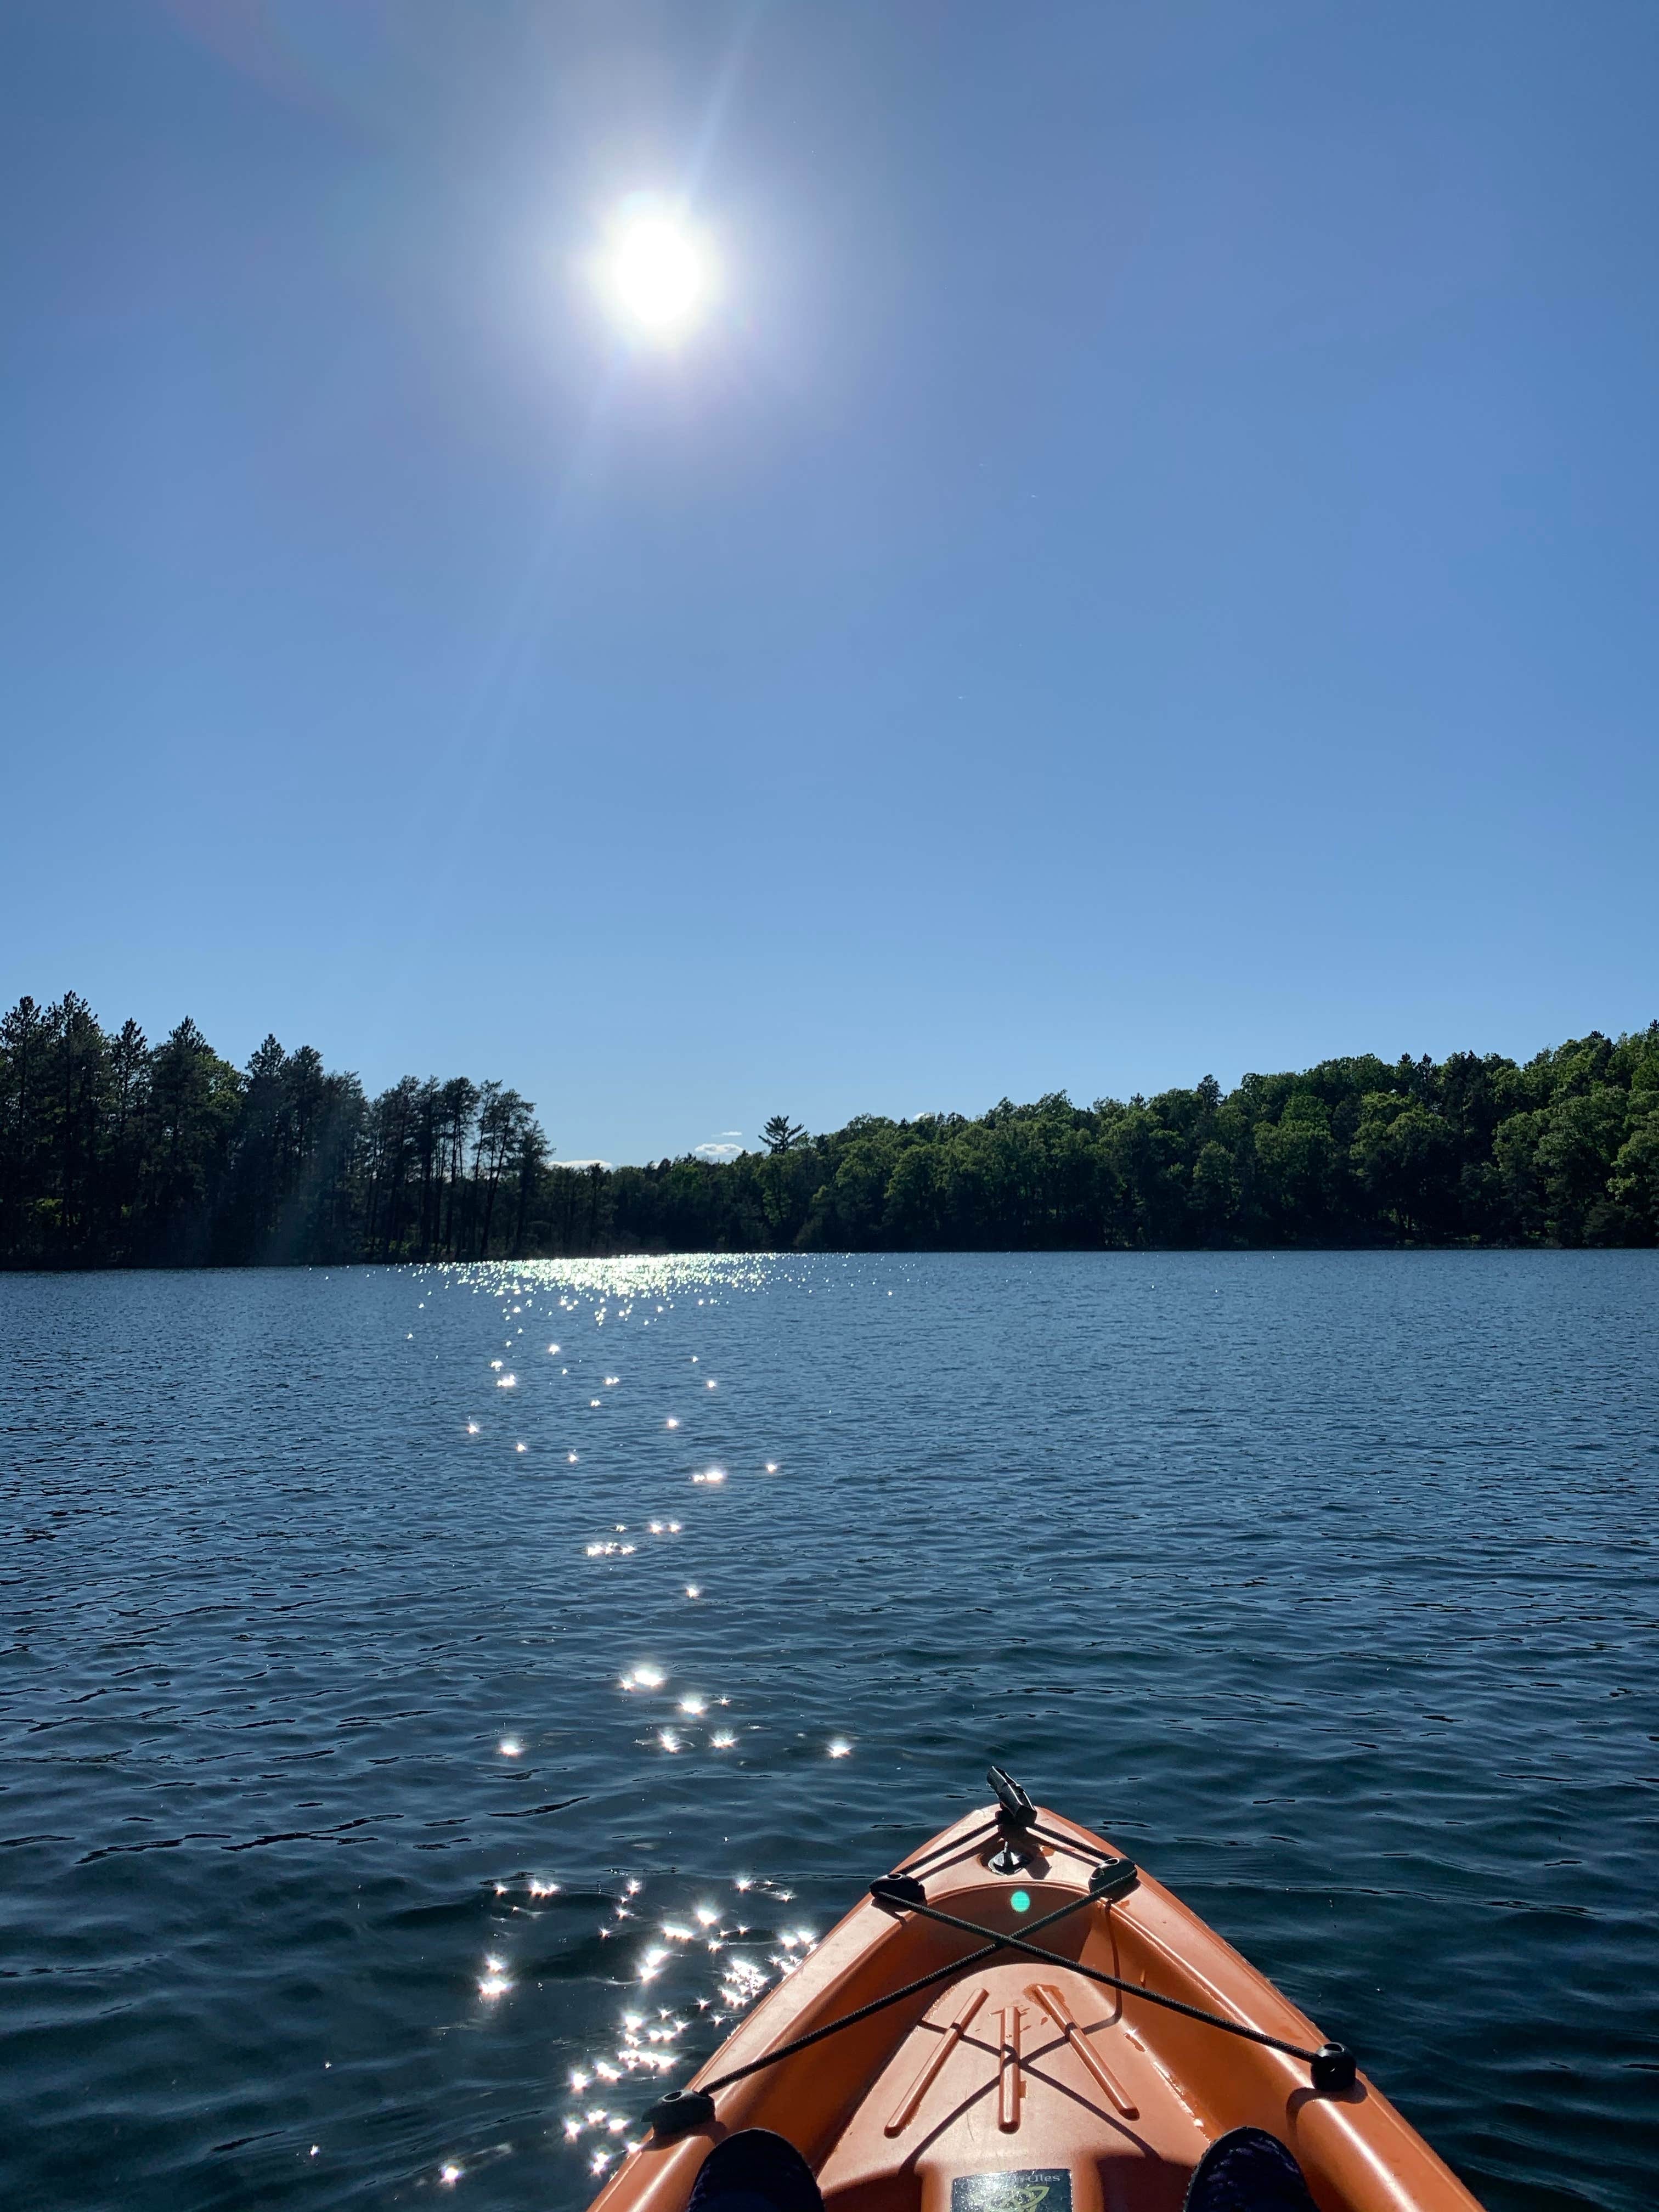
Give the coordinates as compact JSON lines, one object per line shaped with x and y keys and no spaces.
{"x":1247,"y":2171}
{"x":755,"y":2171}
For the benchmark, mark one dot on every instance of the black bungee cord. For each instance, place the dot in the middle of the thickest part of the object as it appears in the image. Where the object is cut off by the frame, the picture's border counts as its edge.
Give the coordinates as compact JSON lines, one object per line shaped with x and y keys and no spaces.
{"x":1332,"y":2066}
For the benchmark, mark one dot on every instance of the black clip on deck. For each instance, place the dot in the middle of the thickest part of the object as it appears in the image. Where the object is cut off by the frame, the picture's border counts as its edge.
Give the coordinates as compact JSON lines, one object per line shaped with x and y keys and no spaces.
{"x":1015,"y":1814}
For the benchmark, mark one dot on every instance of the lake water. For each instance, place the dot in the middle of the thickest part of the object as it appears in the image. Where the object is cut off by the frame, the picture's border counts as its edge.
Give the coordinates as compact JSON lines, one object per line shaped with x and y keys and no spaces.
{"x":1324,"y":1583}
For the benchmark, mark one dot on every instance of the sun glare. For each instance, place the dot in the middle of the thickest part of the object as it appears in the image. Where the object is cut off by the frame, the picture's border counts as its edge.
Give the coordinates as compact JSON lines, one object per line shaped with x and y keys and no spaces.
{"x":656,"y":273}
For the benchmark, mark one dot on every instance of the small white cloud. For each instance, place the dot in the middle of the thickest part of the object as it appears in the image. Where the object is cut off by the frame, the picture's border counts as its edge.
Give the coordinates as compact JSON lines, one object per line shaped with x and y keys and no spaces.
{"x":725,"y":1145}
{"x":574,"y":1164}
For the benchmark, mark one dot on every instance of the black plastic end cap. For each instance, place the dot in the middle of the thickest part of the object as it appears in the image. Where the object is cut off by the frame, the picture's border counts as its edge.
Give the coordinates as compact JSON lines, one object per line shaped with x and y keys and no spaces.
{"x":1015,"y":1809}
{"x":1116,"y":1878}
{"x":1334,"y":2068}
{"x":897,"y":1892}
{"x":679,"y":2113}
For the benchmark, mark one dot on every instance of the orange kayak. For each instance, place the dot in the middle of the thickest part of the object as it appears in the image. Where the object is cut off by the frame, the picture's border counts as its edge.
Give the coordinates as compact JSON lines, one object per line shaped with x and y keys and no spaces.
{"x":1032,"y":2026}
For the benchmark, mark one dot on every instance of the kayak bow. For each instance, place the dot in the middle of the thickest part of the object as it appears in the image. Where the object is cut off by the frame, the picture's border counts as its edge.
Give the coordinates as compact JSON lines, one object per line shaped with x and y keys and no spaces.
{"x":1019,"y":2017}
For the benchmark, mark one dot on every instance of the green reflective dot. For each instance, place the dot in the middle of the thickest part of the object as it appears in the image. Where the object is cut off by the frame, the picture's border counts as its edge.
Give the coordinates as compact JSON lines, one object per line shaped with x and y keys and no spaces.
{"x":1021,"y":1900}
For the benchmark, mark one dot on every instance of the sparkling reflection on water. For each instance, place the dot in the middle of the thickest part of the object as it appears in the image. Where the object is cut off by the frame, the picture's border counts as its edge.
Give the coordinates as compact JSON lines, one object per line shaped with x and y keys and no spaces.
{"x":419,"y":1748}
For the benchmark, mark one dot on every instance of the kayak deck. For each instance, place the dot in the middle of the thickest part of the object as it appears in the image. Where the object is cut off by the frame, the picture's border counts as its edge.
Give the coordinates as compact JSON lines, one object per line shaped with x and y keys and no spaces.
{"x":1021,"y":2086}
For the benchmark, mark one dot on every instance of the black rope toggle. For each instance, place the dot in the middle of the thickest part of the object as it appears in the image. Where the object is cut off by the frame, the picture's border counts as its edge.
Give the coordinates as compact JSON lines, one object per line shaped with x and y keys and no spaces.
{"x":1113,"y":1878}
{"x":898,"y":1892}
{"x":680,"y":2113}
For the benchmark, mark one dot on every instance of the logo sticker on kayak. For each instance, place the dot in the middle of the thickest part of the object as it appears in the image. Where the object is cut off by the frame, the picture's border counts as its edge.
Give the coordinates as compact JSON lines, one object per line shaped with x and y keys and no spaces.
{"x":1030,"y":2189}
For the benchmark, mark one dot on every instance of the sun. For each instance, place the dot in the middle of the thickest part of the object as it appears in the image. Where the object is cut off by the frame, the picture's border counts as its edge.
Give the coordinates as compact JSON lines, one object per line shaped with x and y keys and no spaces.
{"x":656,"y":273}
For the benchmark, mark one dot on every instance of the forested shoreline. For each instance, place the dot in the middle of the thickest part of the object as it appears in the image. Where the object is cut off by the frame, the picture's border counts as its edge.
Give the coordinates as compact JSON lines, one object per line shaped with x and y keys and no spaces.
{"x":117,"y":1152}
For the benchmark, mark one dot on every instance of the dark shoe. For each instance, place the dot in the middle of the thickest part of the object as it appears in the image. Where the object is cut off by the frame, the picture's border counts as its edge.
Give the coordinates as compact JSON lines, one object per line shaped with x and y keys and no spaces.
{"x":755,"y":2171}
{"x":1247,"y":2170}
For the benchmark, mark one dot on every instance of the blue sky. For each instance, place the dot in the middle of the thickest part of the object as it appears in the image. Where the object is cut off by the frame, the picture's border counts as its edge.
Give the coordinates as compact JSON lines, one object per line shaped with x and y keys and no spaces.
{"x":1147,"y":567}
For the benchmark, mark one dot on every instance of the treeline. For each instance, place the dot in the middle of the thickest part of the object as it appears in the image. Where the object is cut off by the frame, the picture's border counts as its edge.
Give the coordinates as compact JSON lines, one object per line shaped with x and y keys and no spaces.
{"x":114,"y":1151}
